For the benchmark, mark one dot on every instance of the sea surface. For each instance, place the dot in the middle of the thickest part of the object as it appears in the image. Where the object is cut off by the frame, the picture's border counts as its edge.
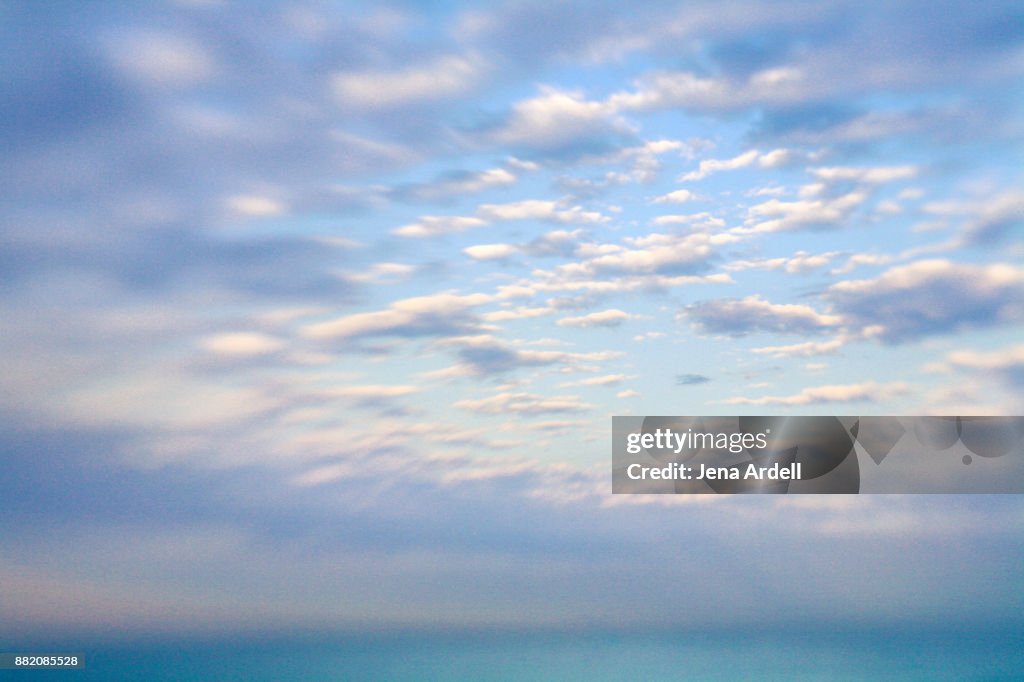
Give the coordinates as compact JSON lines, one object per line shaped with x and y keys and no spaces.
{"x":819,"y":655}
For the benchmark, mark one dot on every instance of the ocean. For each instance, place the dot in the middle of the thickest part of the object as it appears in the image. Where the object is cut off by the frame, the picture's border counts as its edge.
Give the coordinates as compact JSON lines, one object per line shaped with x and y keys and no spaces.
{"x":596,"y":657}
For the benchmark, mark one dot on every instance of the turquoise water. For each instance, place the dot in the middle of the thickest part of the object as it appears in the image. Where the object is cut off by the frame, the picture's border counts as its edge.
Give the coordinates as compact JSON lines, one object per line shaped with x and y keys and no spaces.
{"x":561,"y":656}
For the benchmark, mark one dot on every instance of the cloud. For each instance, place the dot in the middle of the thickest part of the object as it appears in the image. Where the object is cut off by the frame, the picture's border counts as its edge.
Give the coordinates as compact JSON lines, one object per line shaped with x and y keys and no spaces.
{"x":653,"y":253}
{"x":380,"y":273}
{"x":564,"y":124}
{"x":865,"y":392}
{"x":485,"y":355}
{"x":702,"y":221}
{"x":527,"y":209}
{"x":491,"y":251}
{"x":163,"y":59}
{"x":606,"y":380}
{"x":803,"y":350}
{"x":604,"y":318}
{"x":709,"y":166}
{"x":628,"y":393}
{"x":997,"y":218}
{"x":445,"y":76}
{"x":534,"y":209}
{"x":554,"y":243}
{"x":431,"y":226}
{"x":436,"y":315}
{"x":255,"y":206}
{"x":986,"y":221}
{"x":678,"y":196}
{"x":519,"y":313}
{"x":1005,"y":363}
{"x":858,"y":259}
{"x":794,"y":215}
{"x":799,"y":262}
{"x":686,"y":90}
{"x":930,"y":297}
{"x":243,"y":344}
{"x":691,"y":379}
{"x":874,"y":175}
{"x":458,"y":184}
{"x":371,"y":391}
{"x":524,"y":404}
{"x":738,"y":317}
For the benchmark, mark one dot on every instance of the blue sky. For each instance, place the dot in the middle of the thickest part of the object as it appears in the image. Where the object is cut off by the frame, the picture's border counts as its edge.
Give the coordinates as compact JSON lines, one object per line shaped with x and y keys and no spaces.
{"x":317,"y":313}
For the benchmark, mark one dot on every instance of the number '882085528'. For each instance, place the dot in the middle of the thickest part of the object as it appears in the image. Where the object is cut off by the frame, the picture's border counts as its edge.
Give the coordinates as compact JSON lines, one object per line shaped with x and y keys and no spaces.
{"x":45,"y":661}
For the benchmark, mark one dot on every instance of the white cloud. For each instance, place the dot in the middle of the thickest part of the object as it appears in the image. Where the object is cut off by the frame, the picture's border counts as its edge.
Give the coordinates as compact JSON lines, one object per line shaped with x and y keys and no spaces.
{"x":606,"y":380}
{"x":995,"y":218}
{"x":255,"y":206}
{"x":801,"y":261}
{"x":686,"y":90}
{"x":709,"y":166}
{"x":524,"y":404}
{"x":535,"y":209}
{"x":242,"y":344}
{"x":876,"y":175}
{"x":775,"y":158}
{"x":679,"y":196}
{"x":430,"y":226}
{"x":483,"y":354}
{"x":648,"y":336}
{"x":801,"y":350}
{"x":652,"y":253}
{"x":381,"y":273}
{"x":555,"y":118}
{"x":772,"y":159}
{"x":436,"y":315}
{"x":464,"y":183}
{"x":163,"y":59}
{"x":738,"y":317}
{"x":443,"y":77}
{"x":605,"y":318}
{"x":491,"y":251}
{"x":1005,"y":358}
{"x":518,"y":313}
{"x":370,"y":392}
{"x":703,"y":220}
{"x":793,"y":215}
{"x":527,"y":209}
{"x":858,"y":259}
{"x":931,"y":297}
{"x":1006,"y":364}
{"x":865,"y":392}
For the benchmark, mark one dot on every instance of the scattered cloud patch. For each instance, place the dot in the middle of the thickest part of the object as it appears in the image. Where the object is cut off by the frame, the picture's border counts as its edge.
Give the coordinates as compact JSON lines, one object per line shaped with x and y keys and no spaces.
{"x":524,"y":404}
{"x":781,"y":216}
{"x":930,"y":297}
{"x":605,"y":318}
{"x":802,"y":350}
{"x":431,"y":226}
{"x":870,"y":392}
{"x":799,"y":262}
{"x":738,"y":317}
{"x":443,"y":77}
{"x":491,"y":251}
{"x":678,"y":196}
{"x":436,"y":315}
{"x":255,"y":206}
{"x":1005,"y":363}
{"x":243,"y":344}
